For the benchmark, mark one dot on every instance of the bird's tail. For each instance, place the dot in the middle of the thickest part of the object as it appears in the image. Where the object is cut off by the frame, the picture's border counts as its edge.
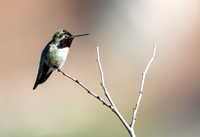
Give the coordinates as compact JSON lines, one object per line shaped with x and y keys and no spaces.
{"x":35,"y":85}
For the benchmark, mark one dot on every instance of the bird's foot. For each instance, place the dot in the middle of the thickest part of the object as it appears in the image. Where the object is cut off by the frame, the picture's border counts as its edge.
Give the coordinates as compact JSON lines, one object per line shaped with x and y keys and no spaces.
{"x":59,"y":70}
{"x":56,"y":67}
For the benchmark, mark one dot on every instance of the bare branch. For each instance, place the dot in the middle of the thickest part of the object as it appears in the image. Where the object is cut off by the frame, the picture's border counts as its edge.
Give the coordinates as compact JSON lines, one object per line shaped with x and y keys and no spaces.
{"x":102,"y":79}
{"x":135,"y":109}
{"x":90,"y":92}
{"x":112,"y":106}
{"x":114,"y":109}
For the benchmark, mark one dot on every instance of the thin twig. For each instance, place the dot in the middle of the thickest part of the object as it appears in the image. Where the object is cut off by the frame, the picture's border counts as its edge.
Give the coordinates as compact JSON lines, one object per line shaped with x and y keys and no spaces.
{"x":135,"y":109}
{"x":102,"y":79}
{"x":114,"y":109}
{"x":111,"y":106}
{"x":90,"y":92}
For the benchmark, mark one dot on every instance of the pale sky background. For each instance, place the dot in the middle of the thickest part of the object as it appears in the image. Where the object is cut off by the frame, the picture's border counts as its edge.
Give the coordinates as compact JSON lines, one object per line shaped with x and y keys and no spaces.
{"x":125,"y":32}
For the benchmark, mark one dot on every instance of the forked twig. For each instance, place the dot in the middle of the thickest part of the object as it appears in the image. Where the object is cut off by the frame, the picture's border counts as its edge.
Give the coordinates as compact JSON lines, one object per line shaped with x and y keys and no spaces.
{"x":130,"y":128}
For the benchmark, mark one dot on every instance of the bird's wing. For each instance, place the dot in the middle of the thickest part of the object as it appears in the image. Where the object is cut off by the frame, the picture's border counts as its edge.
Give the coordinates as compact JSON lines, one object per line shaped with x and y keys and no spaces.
{"x":44,"y":70}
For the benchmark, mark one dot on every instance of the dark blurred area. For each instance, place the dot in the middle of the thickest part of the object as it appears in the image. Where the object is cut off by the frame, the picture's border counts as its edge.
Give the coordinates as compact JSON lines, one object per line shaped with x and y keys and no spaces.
{"x":125,"y":31}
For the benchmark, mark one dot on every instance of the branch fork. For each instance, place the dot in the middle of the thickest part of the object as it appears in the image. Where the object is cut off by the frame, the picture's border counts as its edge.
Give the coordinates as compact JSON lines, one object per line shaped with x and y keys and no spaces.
{"x":111,"y":105}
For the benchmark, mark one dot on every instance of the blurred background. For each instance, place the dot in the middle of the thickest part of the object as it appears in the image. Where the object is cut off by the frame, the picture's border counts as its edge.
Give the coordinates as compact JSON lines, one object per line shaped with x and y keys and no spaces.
{"x":125,"y":31}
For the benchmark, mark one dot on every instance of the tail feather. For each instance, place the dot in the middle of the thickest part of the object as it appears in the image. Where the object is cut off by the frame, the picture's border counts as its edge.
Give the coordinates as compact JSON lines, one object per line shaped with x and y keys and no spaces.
{"x":35,"y":85}
{"x":41,"y":78}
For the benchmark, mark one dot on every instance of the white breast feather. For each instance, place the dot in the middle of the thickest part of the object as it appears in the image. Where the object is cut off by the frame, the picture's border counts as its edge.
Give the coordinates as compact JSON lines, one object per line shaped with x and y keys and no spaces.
{"x":63,"y":55}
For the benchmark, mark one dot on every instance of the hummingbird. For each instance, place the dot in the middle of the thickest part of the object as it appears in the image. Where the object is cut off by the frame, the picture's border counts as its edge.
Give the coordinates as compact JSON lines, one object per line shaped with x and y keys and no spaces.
{"x":54,"y":55}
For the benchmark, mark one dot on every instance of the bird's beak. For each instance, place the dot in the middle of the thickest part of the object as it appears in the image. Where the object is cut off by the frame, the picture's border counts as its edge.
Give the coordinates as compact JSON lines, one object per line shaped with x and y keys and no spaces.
{"x":80,"y":35}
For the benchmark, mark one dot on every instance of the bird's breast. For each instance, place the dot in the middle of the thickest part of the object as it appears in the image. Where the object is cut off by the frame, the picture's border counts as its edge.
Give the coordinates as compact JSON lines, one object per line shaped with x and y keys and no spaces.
{"x":57,"y":56}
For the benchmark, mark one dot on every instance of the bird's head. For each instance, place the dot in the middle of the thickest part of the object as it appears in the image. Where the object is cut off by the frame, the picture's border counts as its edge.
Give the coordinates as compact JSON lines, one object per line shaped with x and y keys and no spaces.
{"x":61,"y":34}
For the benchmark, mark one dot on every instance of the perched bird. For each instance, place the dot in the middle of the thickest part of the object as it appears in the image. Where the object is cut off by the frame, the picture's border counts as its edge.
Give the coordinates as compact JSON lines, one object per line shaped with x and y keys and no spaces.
{"x":54,"y":55}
